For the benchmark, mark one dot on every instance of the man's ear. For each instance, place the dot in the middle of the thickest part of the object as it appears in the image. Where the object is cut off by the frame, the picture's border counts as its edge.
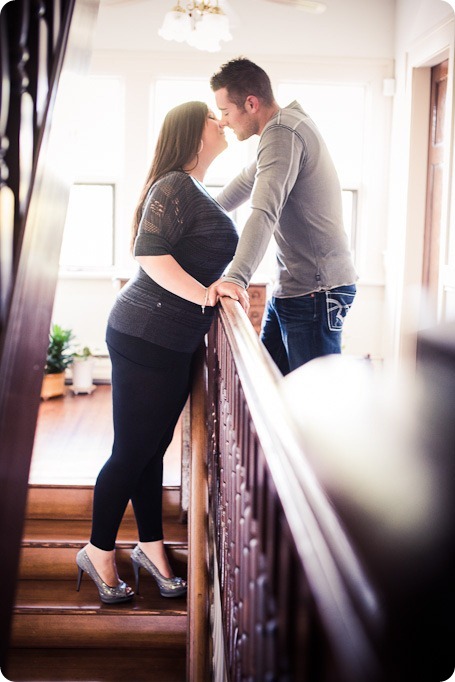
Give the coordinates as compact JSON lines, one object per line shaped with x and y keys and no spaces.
{"x":251,"y":104}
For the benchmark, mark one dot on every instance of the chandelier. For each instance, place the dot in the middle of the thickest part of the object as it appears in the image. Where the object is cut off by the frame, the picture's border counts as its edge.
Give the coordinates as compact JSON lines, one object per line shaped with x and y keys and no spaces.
{"x":201,"y":24}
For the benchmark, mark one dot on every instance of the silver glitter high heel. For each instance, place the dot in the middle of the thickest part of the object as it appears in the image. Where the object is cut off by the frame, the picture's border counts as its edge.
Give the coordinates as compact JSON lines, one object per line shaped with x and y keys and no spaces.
{"x":108,"y":595}
{"x":168,"y":587}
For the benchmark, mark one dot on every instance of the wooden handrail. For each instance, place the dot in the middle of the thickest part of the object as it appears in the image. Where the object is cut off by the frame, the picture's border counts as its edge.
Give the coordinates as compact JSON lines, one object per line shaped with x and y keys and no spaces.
{"x":310,"y":581}
{"x":283,"y":447}
{"x":279,"y":542}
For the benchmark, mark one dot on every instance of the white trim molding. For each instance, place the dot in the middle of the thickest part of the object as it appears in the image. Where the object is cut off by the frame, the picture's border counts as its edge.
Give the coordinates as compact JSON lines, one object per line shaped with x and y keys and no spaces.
{"x":451,"y":3}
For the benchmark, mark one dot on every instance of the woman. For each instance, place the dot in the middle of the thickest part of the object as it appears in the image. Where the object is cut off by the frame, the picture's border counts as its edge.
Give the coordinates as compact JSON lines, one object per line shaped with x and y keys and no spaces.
{"x":183,"y":241}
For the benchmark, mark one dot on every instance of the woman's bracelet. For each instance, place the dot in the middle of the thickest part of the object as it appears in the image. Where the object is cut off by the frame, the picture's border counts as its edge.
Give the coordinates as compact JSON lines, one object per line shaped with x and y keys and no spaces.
{"x":205,"y":300}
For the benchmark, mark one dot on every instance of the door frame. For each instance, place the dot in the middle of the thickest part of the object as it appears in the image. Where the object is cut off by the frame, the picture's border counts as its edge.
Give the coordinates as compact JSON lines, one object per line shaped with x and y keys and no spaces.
{"x":430,"y":50}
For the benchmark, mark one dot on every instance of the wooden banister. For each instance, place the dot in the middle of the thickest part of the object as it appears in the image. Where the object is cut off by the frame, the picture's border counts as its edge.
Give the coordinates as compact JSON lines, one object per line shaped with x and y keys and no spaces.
{"x":293,"y":601}
{"x":198,"y":645}
{"x":309,"y":579}
{"x":45,"y":50}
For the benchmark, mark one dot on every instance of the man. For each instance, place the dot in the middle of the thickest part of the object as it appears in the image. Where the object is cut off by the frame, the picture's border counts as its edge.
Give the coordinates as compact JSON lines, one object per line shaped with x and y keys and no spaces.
{"x":296,"y":197}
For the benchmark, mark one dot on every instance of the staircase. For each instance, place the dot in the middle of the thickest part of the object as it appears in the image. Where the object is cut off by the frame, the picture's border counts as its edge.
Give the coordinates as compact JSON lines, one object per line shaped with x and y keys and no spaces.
{"x":61,"y":634}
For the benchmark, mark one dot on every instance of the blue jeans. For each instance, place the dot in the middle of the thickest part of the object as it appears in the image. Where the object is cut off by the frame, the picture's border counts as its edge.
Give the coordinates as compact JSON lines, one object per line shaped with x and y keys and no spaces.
{"x":296,"y":330}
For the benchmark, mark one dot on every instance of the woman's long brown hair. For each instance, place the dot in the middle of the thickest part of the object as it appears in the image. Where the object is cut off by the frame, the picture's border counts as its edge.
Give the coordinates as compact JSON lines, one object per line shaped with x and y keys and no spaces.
{"x":178,"y":143}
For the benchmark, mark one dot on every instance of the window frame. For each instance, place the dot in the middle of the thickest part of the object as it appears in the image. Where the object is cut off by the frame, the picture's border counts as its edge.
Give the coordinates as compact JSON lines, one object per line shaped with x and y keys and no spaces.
{"x":93,"y":269}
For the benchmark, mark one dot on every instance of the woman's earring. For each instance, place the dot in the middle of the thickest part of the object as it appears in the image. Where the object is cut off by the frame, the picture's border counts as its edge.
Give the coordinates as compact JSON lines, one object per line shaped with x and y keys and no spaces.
{"x":201,"y":147}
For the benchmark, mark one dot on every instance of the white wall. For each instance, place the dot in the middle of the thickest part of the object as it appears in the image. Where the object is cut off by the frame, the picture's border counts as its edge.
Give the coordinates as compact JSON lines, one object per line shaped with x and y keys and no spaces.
{"x":415,"y":20}
{"x":352,"y":43}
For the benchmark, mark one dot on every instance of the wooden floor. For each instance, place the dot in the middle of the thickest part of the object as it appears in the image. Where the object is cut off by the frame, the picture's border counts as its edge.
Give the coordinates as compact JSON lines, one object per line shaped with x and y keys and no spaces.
{"x":74,"y":438}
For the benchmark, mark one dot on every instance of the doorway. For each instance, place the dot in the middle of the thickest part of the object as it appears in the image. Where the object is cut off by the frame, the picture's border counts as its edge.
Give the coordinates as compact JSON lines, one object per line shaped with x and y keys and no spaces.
{"x":434,"y":192}
{"x":420,"y":303}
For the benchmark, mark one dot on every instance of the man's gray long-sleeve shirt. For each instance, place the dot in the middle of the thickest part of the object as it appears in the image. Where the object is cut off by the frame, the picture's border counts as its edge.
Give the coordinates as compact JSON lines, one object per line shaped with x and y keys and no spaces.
{"x":296,"y":197}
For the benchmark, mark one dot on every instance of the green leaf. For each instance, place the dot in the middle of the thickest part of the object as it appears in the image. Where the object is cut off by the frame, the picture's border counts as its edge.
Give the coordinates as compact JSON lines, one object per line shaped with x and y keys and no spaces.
{"x":59,"y":355}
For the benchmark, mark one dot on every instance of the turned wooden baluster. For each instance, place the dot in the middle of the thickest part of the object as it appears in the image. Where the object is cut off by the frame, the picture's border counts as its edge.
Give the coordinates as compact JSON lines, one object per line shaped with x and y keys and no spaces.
{"x":21,"y":116}
{"x":272,"y":631}
{"x":54,"y":12}
{"x":6,"y":194}
{"x":29,"y":34}
{"x":249,"y":611}
{"x":40,"y":60}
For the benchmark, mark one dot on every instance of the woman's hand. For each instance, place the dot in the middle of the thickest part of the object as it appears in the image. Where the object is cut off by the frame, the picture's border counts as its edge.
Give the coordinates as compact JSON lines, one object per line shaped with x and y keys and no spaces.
{"x":231,"y":290}
{"x":166,"y":272}
{"x":212,"y":295}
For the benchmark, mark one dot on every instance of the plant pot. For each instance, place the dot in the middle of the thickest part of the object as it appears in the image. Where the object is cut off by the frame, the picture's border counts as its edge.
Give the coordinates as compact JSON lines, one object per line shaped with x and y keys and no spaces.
{"x":82,"y":370}
{"x":53,"y":385}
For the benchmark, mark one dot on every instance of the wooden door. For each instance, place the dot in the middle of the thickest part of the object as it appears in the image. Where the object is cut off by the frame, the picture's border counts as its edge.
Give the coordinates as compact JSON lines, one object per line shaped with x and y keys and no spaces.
{"x":435,"y":174}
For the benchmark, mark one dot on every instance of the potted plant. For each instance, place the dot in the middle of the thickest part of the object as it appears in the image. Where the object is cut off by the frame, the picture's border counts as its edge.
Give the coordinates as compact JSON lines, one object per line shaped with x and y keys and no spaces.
{"x":82,"y":369}
{"x":59,"y":357}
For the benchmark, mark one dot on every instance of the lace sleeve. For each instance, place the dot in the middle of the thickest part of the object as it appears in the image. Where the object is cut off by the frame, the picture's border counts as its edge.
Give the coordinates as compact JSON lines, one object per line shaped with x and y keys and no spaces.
{"x":163,"y":217}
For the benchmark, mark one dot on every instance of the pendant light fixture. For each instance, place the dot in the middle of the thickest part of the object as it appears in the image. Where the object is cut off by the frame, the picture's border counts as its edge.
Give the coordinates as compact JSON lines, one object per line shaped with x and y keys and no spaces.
{"x":200,"y":24}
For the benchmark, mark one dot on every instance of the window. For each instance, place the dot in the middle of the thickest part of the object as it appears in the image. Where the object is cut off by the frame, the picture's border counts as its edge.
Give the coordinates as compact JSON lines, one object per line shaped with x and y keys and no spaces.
{"x":88,"y":238}
{"x":168,"y":94}
{"x":349,"y":199}
{"x":337,"y":109}
{"x":339,"y":112}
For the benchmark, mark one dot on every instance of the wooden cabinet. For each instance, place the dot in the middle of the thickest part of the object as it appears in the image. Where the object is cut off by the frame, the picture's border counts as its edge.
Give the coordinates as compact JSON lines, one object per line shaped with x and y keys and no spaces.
{"x":120,"y":282}
{"x":258,"y":296}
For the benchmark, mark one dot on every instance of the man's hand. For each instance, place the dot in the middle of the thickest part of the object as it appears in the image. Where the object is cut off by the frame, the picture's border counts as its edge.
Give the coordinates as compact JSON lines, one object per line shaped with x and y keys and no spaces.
{"x":235,"y":291}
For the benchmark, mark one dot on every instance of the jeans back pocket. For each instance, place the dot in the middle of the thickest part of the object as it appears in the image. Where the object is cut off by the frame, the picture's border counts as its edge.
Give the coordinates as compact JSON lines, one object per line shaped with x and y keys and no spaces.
{"x":338,"y":302}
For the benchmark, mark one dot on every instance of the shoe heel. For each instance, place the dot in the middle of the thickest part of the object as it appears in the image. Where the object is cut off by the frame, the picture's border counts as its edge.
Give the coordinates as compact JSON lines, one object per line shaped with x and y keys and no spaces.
{"x":168,"y":587}
{"x":79,"y":579}
{"x":108,"y":595}
{"x":136,"y":569}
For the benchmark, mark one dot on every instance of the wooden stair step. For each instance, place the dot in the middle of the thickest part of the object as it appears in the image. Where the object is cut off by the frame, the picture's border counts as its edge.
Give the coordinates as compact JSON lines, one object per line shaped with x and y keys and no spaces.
{"x":51,"y":614}
{"x":77,"y":531}
{"x":61,"y":634}
{"x":49,"y":547}
{"x":75,"y":502}
{"x":70,"y":665}
{"x":58,"y":562}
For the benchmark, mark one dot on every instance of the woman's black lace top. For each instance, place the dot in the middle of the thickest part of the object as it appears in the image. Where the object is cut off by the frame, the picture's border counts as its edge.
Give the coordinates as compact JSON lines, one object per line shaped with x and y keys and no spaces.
{"x":182,"y":220}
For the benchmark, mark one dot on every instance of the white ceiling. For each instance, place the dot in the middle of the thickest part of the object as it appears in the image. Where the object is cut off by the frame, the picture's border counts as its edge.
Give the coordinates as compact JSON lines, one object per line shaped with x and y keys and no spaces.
{"x":348,"y":28}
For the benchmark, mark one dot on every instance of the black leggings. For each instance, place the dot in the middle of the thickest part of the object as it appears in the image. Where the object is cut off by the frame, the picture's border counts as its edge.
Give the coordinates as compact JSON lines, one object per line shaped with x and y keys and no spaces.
{"x":150,"y":385}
